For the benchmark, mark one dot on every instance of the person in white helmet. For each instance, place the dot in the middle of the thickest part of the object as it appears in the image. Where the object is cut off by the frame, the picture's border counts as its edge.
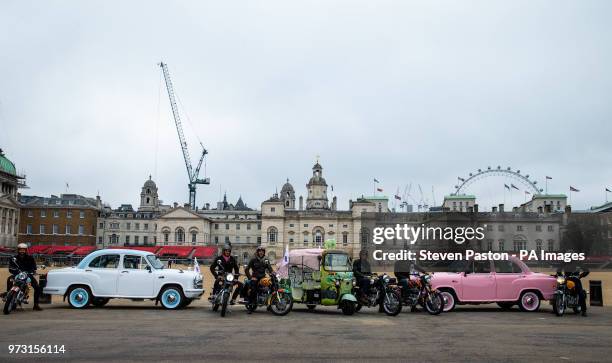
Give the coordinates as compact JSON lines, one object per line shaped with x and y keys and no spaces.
{"x":26,"y":263}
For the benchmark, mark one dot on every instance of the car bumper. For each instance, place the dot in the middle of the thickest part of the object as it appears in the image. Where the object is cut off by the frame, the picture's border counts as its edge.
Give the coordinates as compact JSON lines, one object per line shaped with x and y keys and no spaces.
{"x":194,"y":293}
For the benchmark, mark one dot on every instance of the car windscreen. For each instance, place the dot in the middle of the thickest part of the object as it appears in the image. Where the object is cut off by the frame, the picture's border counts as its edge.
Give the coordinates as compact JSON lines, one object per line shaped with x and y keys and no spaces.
{"x":155,"y":262}
{"x":337,"y":262}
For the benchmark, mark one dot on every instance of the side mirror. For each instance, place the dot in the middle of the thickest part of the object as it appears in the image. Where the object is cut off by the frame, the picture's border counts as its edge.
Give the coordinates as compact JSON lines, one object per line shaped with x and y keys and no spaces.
{"x":466,"y":272}
{"x":266,"y":261}
{"x":149,"y":269}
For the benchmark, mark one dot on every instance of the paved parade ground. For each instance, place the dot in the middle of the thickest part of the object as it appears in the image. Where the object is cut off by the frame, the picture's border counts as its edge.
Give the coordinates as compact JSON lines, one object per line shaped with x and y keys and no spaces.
{"x":129,"y":331}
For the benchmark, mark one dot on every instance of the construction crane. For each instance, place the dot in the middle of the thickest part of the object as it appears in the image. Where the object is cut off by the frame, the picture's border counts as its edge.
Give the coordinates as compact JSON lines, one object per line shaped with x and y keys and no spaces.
{"x":191,"y":173}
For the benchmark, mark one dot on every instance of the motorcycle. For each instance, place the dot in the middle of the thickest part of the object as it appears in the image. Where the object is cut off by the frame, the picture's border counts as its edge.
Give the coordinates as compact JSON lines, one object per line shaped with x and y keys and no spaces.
{"x":270,"y":294}
{"x":380,"y":294}
{"x":420,"y":292}
{"x":18,"y":294}
{"x":565,"y":295}
{"x":222,"y":297}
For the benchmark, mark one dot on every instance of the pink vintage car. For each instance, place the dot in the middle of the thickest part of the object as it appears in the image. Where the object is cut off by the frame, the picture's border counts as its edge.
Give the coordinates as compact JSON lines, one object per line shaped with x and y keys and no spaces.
{"x":506,"y":282}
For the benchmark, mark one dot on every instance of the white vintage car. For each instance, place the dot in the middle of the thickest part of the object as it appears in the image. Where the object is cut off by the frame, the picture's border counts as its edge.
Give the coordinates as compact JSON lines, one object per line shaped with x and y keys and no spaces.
{"x":126,"y":274}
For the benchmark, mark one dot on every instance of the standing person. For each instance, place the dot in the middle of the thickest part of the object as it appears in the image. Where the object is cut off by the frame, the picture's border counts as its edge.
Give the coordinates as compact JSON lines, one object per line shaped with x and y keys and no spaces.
{"x":362,"y":272}
{"x":169,"y":263}
{"x":25,"y":263}
{"x":255,"y":271}
{"x":222,"y":264}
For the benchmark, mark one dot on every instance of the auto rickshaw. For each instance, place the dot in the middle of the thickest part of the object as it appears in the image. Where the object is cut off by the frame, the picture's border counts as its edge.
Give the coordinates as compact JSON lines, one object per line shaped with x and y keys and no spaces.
{"x":319,"y":277}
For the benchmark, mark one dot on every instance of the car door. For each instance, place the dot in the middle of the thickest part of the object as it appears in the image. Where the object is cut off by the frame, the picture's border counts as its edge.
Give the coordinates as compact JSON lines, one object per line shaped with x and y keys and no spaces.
{"x":506,"y":275}
{"x":479,"y":282}
{"x":102,"y":274}
{"x":135,"y":277}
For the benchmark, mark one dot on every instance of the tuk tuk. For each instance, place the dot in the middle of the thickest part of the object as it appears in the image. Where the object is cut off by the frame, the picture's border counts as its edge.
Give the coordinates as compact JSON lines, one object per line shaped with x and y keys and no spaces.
{"x":316,"y":276}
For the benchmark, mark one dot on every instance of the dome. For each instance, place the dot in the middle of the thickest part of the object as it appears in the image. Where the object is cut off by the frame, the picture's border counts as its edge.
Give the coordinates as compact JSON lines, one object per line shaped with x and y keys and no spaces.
{"x":287,"y":188}
{"x":6,"y":165}
{"x":317,"y":166}
{"x":150,"y":184}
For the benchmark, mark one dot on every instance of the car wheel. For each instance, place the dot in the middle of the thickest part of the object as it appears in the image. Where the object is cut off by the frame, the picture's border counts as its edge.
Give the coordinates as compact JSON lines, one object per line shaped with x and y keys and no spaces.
{"x":171,"y":297}
{"x":79,"y":297}
{"x":529,"y":301}
{"x":505,"y":305}
{"x":449,"y":300}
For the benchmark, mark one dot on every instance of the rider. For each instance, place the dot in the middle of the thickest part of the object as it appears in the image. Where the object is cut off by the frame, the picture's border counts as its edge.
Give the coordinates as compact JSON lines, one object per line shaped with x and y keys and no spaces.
{"x":255,"y":271}
{"x":225,"y":263}
{"x":26,"y":263}
{"x":575,"y":277}
{"x":362,"y":271}
{"x":403,"y":270}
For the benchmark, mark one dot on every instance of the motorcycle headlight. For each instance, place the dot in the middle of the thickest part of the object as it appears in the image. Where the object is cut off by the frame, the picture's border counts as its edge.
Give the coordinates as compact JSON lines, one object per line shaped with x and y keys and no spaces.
{"x":21,"y":276}
{"x":427,"y":278}
{"x":229,"y":277}
{"x":386,"y":279}
{"x":354,"y":283}
{"x":560,"y":280}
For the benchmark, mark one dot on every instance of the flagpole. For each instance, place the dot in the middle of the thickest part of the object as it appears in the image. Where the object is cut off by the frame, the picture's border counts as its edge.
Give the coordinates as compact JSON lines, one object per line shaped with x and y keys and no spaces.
{"x":546,"y":185}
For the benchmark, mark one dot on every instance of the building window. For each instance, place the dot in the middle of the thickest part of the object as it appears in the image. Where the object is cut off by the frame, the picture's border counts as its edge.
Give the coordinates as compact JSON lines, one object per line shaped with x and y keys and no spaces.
{"x":81,"y":229}
{"x":519,"y":228}
{"x":237,"y":226}
{"x":68,"y":229}
{"x":501,"y":245}
{"x":318,"y":238}
{"x":137,"y":225}
{"x":69,"y":214}
{"x":248,"y":226}
{"x":81,"y":214}
{"x":136,"y":239}
{"x":490,"y":245}
{"x":272,"y":235}
{"x":166,"y":237}
{"x":306,"y":225}
{"x":128,"y":226}
{"x":43,"y":213}
{"x":100,"y":240}
{"x":179,"y":235}
{"x":305,"y":240}
{"x":272,"y":209}
{"x":226,"y":225}
{"x":30,"y":213}
{"x":227,"y":240}
{"x":216,"y":225}
{"x":259,"y":240}
{"x":41,"y":229}
{"x":538,"y":228}
{"x":216,"y":240}
{"x":500,"y":228}
{"x":551,"y":245}
{"x":551,"y":228}
{"x":145,"y":239}
{"x":55,"y":214}
{"x":29,"y":229}
{"x":345,"y":239}
{"x":539,"y":245}
{"x":490,"y":228}
{"x":259,"y":226}
{"x":364,"y":237}
{"x":290,"y":225}
{"x":291,"y":241}
{"x":237,"y":239}
{"x":194,"y":237}
{"x":146,"y":226}
{"x":127,"y":239}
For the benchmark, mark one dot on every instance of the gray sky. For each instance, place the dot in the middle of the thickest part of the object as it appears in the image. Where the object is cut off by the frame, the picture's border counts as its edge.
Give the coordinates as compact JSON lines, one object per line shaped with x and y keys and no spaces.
{"x":403,"y":91}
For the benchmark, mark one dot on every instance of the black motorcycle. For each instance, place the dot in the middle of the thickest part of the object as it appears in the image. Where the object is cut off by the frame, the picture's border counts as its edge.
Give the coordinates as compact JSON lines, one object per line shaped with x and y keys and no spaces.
{"x":565,"y":295}
{"x":270,"y":294}
{"x":18,"y":294}
{"x":222,"y":297}
{"x":420,"y":292}
{"x":380,"y":294}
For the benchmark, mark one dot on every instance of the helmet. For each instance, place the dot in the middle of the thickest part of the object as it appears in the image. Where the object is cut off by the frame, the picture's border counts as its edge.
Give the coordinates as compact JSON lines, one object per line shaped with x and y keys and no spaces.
{"x":227,"y":247}
{"x":266,"y":281}
{"x":22,"y":246}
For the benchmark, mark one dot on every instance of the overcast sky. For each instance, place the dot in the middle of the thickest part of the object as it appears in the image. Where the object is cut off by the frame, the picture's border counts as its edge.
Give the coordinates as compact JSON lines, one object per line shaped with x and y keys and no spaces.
{"x":405,"y":92}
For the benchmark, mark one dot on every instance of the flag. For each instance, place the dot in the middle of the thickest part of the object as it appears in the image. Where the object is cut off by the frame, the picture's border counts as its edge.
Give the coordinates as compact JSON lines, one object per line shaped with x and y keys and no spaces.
{"x":376,"y":180}
{"x":549,"y":178}
{"x":460,"y":178}
{"x":196,"y":265}
{"x":398,"y":197}
{"x":514,"y":186}
{"x":67,"y":186}
{"x":332,"y":188}
{"x":379,"y":189}
{"x":608,"y":190}
{"x":286,"y":256}
{"x":572,"y":189}
{"x":506,"y":186}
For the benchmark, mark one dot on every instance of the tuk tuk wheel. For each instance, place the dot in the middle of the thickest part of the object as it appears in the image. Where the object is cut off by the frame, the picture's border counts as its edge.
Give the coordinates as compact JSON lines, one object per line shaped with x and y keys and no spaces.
{"x":348,"y":308}
{"x":311,"y":306}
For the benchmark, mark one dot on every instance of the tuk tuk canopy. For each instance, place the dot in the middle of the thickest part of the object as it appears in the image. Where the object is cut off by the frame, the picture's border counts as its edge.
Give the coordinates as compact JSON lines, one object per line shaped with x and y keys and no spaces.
{"x":308,"y":257}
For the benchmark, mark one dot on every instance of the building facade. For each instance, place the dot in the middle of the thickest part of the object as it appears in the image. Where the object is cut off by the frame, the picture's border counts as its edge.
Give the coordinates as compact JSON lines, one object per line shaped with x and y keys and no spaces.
{"x":67,"y":220}
{"x":10,"y":182}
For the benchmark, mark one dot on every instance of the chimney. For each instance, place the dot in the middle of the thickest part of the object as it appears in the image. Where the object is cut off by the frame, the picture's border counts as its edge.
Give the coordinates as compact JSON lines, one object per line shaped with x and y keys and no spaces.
{"x":175,"y":205}
{"x":501,"y":208}
{"x":494,"y":209}
{"x":475,"y":208}
{"x":301,"y":203}
{"x":568,"y":209}
{"x":334,"y":202}
{"x":540,"y":209}
{"x":207,"y":206}
{"x":515,"y":209}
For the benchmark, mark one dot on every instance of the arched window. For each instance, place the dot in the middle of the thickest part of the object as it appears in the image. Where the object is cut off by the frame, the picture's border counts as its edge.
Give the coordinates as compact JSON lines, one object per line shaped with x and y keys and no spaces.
{"x":194,"y":237}
{"x":272,"y":235}
{"x":148,"y":191}
{"x":179,"y":235}
{"x":148,"y":200}
{"x":318,"y":235}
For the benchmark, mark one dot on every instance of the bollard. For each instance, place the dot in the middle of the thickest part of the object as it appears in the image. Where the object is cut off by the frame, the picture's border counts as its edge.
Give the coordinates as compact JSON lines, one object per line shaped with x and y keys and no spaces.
{"x":595,"y":292}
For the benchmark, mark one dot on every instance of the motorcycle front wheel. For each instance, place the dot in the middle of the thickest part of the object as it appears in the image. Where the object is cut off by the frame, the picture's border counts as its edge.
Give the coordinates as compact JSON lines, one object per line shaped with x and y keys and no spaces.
{"x":392,"y":304}
{"x":434,"y":303}
{"x":559,"y":305}
{"x":10,"y":304}
{"x":280,"y":304}
{"x":224,"y":301}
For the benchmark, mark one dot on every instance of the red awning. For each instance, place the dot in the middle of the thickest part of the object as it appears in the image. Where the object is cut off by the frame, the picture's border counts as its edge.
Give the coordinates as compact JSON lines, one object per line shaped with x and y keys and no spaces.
{"x":84,"y":250}
{"x":60,"y":249}
{"x":178,"y":251}
{"x":205,"y":252}
{"x":38,"y":249}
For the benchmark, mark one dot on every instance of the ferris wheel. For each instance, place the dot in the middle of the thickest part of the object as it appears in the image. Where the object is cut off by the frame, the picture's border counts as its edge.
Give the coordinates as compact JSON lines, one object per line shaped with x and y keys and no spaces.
{"x":529,"y":184}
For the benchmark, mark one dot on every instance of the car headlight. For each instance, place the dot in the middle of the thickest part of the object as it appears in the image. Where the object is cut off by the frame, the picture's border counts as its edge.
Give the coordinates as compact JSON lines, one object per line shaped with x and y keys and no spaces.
{"x":560,"y":280}
{"x":229,"y":277}
{"x":197,"y":282}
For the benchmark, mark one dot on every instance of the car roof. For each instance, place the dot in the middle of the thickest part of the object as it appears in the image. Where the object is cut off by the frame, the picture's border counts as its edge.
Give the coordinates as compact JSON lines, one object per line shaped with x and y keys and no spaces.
{"x":111,"y":251}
